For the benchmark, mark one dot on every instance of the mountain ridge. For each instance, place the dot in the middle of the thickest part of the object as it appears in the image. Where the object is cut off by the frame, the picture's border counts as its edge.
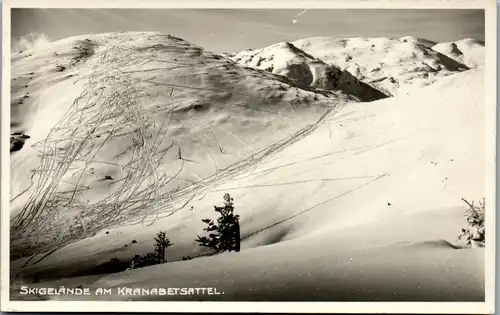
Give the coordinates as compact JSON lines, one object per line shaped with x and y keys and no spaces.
{"x":391,"y":65}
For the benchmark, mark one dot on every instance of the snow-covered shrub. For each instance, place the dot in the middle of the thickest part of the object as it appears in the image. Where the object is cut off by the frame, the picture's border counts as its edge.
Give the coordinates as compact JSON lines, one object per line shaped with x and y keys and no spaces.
{"x":474,"y":215}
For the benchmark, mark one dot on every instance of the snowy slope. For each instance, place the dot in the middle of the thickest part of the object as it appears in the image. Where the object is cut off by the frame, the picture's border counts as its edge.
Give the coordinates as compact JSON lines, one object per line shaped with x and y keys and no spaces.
{"x":393,"y":65}
{"x":365,"y":207}
{"x":124,"y":124}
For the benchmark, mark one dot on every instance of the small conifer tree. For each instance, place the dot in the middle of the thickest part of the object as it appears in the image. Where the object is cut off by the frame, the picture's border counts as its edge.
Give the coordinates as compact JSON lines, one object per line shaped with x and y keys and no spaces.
{"x":225,"y":235}
{"x":158,"y":256}
{"x":162,"y":243}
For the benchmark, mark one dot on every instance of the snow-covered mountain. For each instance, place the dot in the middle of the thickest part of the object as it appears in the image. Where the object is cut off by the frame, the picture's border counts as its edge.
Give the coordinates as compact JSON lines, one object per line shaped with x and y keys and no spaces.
{"x":468,"y":51}
{"x":287,"y":60}
{"x":392,"y":65}
{"x":336,"y":185}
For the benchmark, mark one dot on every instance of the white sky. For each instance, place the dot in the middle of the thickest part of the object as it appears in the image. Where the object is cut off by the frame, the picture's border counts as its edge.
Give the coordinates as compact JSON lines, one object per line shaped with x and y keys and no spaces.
{"x":233,"y":30}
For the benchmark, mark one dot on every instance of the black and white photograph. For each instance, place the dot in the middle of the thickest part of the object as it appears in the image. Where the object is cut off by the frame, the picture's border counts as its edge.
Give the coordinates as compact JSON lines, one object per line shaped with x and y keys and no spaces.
{"x":249,"y":154}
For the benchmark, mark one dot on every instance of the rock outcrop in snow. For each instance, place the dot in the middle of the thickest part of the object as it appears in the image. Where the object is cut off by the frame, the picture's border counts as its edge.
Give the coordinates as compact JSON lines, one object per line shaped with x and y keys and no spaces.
{"x":17,"y":141}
